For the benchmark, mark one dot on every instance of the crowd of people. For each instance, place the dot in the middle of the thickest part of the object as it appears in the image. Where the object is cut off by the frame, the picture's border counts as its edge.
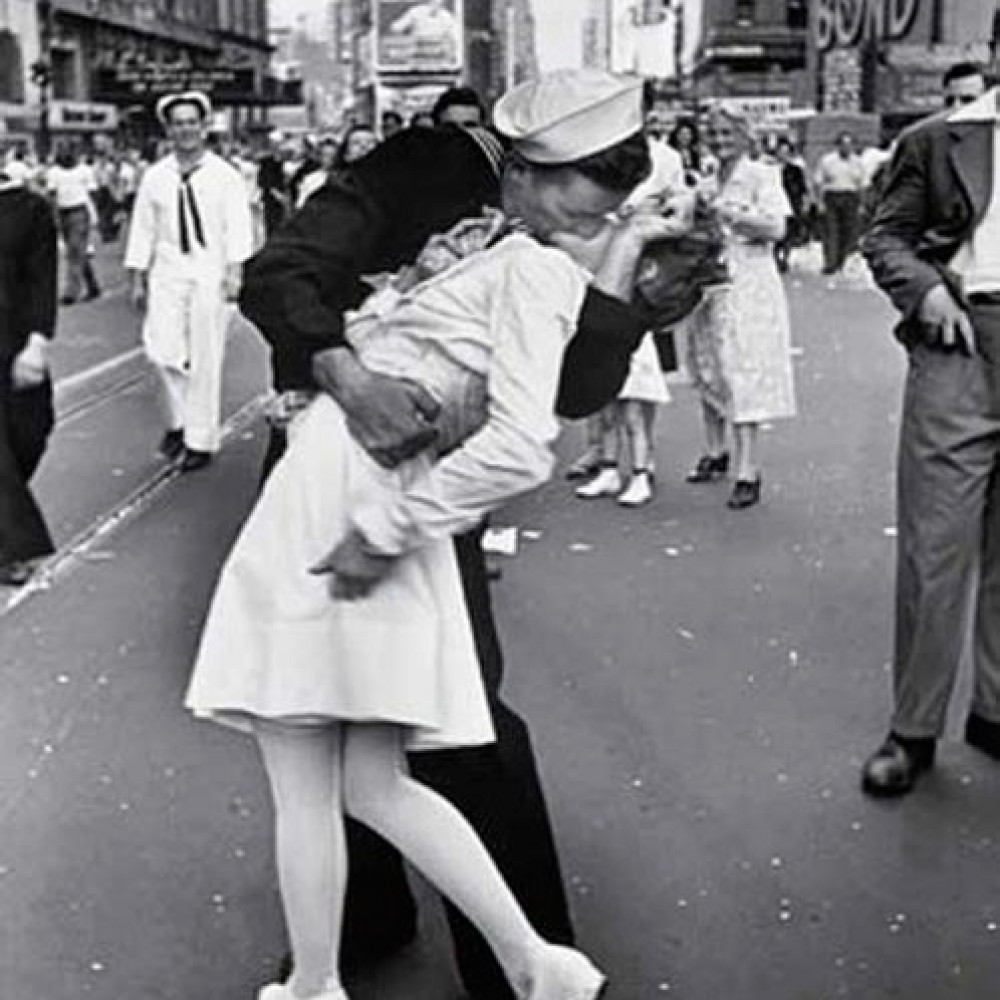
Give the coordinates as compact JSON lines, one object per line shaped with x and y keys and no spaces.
{"x":435,"y":300}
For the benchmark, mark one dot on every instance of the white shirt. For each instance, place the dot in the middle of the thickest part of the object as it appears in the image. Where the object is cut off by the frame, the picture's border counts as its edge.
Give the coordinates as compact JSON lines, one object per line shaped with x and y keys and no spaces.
{"x":486,"y":338}
{"x":978,"y":259}
{"x":840,"y":173}
{"x":72,"y":186}
{"x":154,"y":240}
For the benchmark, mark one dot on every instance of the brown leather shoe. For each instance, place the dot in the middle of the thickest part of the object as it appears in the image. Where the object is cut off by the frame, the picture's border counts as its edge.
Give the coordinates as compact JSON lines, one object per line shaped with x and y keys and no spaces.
{"x":894,"y":768}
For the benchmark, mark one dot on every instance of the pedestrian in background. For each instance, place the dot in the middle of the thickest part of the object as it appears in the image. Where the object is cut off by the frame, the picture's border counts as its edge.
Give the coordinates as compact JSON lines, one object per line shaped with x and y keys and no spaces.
{"x":840,"y":182}
{"x":357,"y":141}
{"x":458,"y":106}
{"x":795,"y":183}
{"x":28,"y":280}
{"x":685,"y":138}
{"x":71,"y":185}
{"x":273,"y":185}
{"x":934,"y":248}
{"x":392,"y":122}
{"x":739,"y":352}
{"x":963,"y":83}
{"x":191,"y":232}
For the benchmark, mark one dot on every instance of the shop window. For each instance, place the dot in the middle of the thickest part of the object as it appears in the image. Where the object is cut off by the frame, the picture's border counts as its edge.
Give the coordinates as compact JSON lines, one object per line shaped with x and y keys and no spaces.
{"x":11,"y":68}
{"x":746,"y":12}
{"x":798,"y":14}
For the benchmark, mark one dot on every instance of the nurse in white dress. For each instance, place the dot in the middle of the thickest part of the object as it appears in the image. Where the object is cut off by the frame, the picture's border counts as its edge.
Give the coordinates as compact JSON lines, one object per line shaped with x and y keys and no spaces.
{"x":340,"y":661}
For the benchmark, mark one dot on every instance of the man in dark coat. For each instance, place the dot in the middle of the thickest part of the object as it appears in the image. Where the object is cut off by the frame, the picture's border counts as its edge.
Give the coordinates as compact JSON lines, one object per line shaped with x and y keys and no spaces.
{"x":28,"y":275}
{"x":371,"y":220}
{"x":934,"y":248}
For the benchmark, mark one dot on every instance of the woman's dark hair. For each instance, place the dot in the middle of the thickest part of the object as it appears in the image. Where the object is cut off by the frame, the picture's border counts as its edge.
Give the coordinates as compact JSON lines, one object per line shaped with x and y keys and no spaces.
{"x":690,"y":154}
{"x":619,"y":168}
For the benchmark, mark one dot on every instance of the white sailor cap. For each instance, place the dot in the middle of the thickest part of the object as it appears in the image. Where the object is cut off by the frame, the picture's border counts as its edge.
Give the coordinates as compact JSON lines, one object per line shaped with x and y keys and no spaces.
{"x":569,"y":114}
{"x":195,"y":97}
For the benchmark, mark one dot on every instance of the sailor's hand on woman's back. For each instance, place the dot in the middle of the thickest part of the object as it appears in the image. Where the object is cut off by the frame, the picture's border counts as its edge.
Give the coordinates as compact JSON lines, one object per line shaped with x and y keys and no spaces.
{"x":392,"y":419}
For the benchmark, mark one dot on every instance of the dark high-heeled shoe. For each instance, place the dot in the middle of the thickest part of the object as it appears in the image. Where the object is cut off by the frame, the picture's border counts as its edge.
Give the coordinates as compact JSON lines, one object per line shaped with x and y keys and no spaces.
{"x":709,"y":468}
{"x":746,"y":493}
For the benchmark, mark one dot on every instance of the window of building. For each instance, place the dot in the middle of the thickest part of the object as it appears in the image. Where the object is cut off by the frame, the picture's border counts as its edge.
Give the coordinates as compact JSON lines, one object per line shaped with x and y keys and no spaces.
{"x":64,"y":75}
{"x":746,"y":11}
{"x":798,"y":14}
{"x":11,"y":68}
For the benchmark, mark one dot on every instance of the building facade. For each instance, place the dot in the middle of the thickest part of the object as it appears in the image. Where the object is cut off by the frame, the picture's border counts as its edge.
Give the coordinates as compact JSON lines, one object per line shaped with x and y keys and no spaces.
{"x":887,"y":56}
{"x":18,"y":53}
{"x":106,"y":62}
{"x":748,"y":49}
{"x":494,"y":48}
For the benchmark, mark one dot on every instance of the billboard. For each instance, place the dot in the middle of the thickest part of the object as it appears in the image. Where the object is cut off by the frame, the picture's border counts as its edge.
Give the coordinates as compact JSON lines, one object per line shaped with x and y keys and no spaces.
{"x":418,"y":36}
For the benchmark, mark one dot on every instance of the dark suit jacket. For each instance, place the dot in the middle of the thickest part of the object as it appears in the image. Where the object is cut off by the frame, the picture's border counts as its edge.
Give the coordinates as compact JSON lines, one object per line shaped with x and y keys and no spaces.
{"x":938,"y":188}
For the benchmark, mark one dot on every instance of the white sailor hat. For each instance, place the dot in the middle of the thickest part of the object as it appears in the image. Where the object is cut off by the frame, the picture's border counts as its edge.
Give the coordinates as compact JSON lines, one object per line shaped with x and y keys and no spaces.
{"x":195,"y":97}
{"x":569,"y":114}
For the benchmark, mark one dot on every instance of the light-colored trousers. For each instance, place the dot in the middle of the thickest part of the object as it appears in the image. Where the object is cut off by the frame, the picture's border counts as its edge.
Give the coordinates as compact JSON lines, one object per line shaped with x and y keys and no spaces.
{"x":185,"y":338}
{"x":948,"y":571}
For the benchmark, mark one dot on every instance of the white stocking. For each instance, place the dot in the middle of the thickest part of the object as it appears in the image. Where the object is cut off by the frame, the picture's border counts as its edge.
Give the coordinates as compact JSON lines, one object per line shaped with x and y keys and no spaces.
{"x":437,"y":840}
{"x":304,"y":766}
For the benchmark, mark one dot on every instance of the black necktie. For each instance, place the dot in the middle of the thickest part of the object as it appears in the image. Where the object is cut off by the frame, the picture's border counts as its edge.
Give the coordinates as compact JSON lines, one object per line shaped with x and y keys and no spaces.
{"x":186,"y":202}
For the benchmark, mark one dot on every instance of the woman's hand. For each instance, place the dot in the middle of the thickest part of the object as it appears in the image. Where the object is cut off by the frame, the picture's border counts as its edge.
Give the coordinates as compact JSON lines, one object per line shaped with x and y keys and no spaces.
{"x":353,"y":568}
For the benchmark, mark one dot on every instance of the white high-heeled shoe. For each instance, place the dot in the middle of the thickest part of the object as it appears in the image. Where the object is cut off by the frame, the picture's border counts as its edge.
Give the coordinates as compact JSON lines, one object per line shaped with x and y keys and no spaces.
{"x":282,"y":991}
{"x":566,"y":974}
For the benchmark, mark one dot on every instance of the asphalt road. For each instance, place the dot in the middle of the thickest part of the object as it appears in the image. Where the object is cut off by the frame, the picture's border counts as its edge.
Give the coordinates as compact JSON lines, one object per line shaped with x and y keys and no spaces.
{"x":702,"y":686}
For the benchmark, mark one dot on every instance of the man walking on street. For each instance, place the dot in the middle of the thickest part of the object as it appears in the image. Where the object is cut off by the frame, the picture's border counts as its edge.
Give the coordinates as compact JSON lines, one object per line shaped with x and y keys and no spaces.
{"x":28,"y":274}
{"x":191,"y":232}
{"x":934,"y":248}
{"x":840,"y":181}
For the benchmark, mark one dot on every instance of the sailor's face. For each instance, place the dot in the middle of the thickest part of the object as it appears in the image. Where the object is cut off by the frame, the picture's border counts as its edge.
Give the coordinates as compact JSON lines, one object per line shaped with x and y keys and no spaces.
{"x":557,"y":200}
{"x":187,"y":128}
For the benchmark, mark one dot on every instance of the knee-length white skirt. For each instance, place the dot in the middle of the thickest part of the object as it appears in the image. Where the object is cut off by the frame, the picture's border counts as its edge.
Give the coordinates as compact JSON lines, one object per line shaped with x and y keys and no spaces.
{"x":277,"y":645}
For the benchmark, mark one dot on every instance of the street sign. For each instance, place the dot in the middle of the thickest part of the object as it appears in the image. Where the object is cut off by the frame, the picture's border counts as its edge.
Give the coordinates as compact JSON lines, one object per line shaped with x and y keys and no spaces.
{"x":131,"y":84}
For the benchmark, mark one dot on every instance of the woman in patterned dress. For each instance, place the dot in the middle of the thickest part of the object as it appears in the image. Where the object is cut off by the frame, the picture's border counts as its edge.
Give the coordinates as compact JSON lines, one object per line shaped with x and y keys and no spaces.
{"x":739,"y":351}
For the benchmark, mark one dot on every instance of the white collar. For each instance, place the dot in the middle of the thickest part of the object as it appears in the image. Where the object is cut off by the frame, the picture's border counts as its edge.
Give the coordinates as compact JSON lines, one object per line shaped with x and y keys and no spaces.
{"x":983,"y":109}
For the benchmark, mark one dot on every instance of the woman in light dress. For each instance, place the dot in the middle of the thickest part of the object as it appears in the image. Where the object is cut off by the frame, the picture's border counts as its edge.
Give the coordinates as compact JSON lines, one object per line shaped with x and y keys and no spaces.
{"x":338,"y":636}
{"x":739,"y":351}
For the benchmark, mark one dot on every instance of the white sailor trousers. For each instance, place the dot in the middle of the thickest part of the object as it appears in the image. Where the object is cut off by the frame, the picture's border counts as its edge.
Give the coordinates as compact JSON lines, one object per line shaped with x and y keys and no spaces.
{"x":185,"y":338}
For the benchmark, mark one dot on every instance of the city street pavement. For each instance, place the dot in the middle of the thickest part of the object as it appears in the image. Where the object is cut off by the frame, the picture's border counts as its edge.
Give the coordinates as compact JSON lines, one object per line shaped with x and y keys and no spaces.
{"x":702,"y":686}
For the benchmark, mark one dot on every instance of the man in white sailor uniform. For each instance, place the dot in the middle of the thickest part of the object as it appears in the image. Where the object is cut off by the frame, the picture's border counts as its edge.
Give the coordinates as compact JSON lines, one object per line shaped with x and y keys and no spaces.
{"x":190,"y":234}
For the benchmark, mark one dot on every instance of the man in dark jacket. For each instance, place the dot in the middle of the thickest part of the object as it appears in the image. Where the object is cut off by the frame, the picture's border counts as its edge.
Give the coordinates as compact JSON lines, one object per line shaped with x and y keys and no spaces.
{"x":372,"y":220}
{"x":28,"y":274}
{"x":934,"y":248}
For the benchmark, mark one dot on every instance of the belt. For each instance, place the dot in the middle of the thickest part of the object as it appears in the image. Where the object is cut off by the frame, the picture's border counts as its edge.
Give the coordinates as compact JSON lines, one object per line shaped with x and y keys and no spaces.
{"x":985,"y":299}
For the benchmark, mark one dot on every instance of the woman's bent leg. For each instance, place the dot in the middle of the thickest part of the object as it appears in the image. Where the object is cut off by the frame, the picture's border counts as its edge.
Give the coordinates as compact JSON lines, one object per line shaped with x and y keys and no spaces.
{"x":438,"y":841}
{"x":304,"y":765}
